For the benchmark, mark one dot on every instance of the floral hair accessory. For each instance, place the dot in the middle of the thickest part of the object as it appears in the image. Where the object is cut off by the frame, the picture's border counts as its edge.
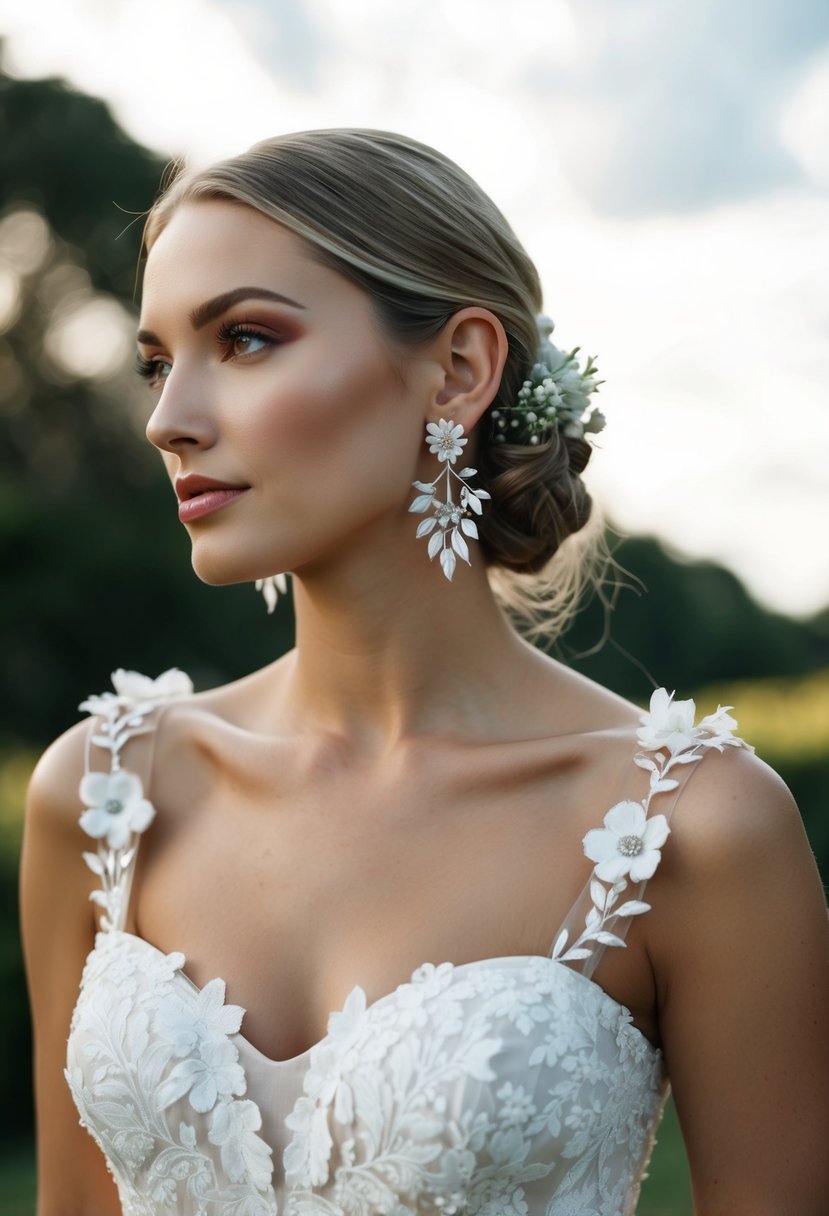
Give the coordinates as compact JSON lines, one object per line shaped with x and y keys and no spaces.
{"x":557,"y":394}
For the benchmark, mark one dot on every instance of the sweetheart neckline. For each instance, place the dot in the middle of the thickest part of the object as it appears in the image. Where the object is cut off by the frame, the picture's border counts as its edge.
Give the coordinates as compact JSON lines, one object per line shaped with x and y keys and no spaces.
{"x":295,"y":1061}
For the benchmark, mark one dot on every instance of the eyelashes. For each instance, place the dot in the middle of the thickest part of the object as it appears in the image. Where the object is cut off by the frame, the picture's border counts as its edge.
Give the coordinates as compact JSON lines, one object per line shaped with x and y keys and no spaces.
{"x":229,"y":335}
{"x":148,"y":369}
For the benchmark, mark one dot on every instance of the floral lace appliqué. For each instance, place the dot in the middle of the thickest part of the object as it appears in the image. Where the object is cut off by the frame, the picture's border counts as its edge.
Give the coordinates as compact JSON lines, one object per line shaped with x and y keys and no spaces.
{"x":504,"y":1087}
{"x":145,"y":1056}
{"x":629,"y":845}
{"x":117,"y":811}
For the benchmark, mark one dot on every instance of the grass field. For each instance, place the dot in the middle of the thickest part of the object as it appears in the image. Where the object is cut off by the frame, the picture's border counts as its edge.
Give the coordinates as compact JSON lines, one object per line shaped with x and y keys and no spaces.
{"x":666,"y":1191}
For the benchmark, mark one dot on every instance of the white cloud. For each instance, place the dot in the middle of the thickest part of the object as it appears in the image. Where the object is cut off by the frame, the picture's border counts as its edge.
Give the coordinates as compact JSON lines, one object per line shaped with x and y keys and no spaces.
{"x":804,"y":124}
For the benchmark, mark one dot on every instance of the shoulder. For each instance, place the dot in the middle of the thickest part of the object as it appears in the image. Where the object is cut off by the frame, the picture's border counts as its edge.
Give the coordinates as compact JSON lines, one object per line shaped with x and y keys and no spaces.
{"x":738,"y":875}
{"x":52,"y":796}
{"x":116,"y":716}
{"x":738,"y":941}
{"x":734,"y":810}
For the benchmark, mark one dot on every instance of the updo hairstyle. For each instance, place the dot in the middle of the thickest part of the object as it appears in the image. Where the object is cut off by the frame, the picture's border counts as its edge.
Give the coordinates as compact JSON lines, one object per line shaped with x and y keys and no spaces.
{"x":413,"y":230}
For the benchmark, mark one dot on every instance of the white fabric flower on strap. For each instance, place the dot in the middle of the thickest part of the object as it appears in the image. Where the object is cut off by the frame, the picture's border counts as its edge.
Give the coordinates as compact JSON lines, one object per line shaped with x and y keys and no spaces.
{"x":116,"y":806}
{"x":670,"y":724}
{"x":134,"y":689}
{"x":133,"y":686}
{"x":628,"y":844}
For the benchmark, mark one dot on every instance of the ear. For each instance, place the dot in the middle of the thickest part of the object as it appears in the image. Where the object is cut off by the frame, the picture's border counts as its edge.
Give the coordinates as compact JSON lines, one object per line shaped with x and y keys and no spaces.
{"x":471,"y":350}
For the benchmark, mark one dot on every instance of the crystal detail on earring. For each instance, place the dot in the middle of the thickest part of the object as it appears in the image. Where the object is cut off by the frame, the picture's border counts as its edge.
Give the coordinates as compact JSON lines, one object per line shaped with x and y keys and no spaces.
{"x":450,"y":520}
{"x":271,"y":588}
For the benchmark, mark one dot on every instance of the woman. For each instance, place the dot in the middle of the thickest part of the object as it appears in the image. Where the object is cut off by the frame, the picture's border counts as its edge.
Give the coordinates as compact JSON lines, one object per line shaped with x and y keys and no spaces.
{"x":413,"y":819}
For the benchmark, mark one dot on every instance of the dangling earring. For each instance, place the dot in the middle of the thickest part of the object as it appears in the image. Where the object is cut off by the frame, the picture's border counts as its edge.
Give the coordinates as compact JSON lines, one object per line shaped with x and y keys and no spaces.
{"x":271,"y":588}
{"x":450,"y":518}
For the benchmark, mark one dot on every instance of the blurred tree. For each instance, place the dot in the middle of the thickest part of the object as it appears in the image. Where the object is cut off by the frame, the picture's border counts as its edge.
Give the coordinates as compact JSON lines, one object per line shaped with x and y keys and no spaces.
{"x":87,"y":526}
{"x":684,"y":624}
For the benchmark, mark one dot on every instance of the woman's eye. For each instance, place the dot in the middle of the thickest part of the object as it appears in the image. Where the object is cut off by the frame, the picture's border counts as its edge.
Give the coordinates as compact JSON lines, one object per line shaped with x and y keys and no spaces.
{"x":238,"y":340}
{"x":154,"y":371}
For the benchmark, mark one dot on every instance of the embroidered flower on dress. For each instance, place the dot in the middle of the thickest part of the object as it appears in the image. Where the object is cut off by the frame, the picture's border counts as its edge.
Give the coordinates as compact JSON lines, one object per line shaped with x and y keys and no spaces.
{"x":188,"y":1024}
{"x":305,"y":1158}
{"x":244,"y":1154}
{"x":117,"y":806}
{"x":444,"y":440}
{"x":215,"y":1073}
{"x":628,"y":844}
{"x":517,"y":1107}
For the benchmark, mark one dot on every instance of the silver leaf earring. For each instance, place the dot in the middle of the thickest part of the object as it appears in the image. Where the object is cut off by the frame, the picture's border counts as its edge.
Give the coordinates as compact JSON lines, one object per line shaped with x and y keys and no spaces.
{"x":271,"y":588}
{"x":451,"y":520}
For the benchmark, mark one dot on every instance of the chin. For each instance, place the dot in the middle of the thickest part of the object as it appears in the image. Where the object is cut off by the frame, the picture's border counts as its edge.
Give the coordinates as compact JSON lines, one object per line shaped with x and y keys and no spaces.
{"x":218,"y":572}
{"x":218,"y":568}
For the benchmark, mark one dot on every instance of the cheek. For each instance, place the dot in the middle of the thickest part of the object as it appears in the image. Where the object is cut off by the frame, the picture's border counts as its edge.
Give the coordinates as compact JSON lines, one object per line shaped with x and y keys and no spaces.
{"x":340,"y":422}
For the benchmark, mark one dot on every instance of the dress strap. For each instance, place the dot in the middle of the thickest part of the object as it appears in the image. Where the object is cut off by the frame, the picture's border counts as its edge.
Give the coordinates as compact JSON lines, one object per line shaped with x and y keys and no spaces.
{"x":627,"y":849}
{"x":117,"y":811}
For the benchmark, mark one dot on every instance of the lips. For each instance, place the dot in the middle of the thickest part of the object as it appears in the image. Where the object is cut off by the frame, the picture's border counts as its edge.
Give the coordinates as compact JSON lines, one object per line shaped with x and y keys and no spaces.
{"x":193,"y":484}
{"x":200,"y":496}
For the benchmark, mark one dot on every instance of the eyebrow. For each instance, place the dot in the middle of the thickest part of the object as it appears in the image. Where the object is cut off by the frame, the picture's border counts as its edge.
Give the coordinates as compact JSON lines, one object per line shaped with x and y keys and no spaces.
{"x":203,"y":314}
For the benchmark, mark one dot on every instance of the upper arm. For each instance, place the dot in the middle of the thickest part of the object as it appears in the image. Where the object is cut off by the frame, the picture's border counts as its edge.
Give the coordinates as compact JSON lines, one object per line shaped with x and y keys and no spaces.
{"x":58,"y":928}
{"x":740,"y":947}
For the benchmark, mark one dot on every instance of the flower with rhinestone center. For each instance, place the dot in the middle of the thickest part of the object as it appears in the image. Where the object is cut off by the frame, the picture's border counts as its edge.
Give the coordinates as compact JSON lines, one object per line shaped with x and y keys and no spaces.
{"x":630,"y":846}
{"x":116,"y":806}
{"x":629,"y":843}
{"x":445,"y":440}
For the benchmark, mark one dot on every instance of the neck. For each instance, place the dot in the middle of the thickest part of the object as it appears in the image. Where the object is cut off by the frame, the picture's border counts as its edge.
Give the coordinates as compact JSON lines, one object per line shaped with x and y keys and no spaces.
{"x":388,"y":650}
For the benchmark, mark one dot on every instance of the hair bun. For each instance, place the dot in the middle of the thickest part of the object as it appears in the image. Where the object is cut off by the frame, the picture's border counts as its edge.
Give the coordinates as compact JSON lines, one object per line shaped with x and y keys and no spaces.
{"x":540,"y":498}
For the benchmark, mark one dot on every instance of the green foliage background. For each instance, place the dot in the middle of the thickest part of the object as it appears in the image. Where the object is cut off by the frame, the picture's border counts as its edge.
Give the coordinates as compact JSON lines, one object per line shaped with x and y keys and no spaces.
{"x":96,"y":569}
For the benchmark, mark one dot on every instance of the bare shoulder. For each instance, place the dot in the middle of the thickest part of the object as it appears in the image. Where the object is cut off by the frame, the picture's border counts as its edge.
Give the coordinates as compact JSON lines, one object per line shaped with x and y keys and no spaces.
{"x":738,"y":939}
{"x":737,"y":850}
{"x":53,"y":787}
{"x":735,"y":809}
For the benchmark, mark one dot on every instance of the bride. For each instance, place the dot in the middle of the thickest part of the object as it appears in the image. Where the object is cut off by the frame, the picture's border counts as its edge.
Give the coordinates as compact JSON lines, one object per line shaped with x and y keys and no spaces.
{"x":420,"y":920}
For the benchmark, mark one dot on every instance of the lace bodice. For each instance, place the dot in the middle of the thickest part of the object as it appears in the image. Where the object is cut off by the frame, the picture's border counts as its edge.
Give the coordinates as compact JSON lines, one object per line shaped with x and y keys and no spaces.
{"x":509,"y":1086}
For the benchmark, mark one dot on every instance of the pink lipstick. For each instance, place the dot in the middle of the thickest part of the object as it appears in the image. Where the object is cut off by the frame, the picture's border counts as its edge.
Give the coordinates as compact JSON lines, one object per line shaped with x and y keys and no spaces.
{"x":200,"y":496}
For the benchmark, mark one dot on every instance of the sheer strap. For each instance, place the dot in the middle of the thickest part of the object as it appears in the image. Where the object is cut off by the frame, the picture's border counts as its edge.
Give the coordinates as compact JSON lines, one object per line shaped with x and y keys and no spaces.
{"x":117,"y":811}
{"x":627,"y":849}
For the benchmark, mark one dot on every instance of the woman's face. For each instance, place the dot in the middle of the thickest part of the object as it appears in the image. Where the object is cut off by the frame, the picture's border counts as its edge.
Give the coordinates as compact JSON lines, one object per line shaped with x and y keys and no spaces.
{"x":274,"y":379}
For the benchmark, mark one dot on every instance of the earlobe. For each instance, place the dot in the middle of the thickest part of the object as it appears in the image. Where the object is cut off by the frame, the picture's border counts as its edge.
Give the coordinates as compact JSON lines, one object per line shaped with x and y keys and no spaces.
{"x":473,"y":349}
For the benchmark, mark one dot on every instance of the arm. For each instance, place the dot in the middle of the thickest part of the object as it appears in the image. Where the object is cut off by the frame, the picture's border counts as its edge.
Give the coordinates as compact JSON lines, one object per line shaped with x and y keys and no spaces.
{"x":58,"y":928}
{"x":739,"y":942}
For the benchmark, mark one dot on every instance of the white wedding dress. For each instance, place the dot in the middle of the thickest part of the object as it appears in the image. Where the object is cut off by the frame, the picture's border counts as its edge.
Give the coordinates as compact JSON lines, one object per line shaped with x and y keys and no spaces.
{"x":508,"y":1086}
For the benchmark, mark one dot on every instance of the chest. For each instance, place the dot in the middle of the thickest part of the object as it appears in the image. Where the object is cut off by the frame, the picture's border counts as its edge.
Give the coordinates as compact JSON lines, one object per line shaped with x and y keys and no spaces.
{"x":298,"y":876}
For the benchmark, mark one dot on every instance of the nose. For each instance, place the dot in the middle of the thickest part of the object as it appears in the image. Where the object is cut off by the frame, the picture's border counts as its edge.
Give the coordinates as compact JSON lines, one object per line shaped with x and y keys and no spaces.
{"x":177,"y":422}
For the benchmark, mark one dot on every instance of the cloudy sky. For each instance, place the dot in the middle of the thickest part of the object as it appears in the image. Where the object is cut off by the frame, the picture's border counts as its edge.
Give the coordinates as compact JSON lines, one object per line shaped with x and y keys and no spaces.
{"x":666,"y":163}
